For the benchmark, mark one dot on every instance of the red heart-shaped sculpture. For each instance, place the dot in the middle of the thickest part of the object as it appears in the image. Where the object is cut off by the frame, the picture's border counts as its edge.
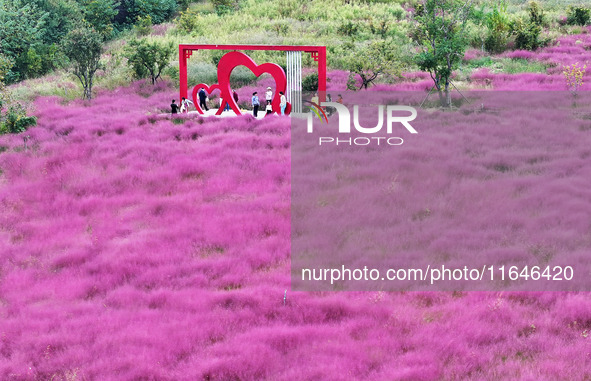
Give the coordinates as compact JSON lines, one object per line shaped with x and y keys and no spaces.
{"x":232,"y":59}
{"x":208,"y":89}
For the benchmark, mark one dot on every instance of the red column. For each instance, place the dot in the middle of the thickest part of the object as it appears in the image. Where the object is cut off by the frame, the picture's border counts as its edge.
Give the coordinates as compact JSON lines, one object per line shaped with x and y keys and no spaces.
{"x":182,"y":73}
{"x":322,"y":73}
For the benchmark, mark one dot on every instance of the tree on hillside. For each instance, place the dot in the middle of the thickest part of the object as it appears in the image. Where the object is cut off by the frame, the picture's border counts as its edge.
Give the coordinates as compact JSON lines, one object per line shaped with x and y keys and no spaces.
{"x":159,"y":10}
{"x":61,"y":17}
{"x":100,"y":15}
{"x":370,"y":60}
{"x":83,"y":47}
{"x":15,"y":119}
{"x":440,"y":32}
{"x":20,"y":28}
{"x":5,"y":65}
{"x":148,"y":59}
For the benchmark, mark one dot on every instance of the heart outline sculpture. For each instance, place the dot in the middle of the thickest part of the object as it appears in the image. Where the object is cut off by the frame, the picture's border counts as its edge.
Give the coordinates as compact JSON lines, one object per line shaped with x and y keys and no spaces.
{"x":207,"y":88}
{"x":230,"y":61}
{"x":226,"y":65}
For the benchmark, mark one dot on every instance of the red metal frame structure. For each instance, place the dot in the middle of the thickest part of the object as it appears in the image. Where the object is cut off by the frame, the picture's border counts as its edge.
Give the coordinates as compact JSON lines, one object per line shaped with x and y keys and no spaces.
{"x":318,"y":53}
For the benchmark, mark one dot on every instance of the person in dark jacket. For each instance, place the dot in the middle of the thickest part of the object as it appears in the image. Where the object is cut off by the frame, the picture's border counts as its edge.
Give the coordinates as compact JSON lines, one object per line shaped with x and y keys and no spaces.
{"x":174,"y":108}
{"x":202,"y":100}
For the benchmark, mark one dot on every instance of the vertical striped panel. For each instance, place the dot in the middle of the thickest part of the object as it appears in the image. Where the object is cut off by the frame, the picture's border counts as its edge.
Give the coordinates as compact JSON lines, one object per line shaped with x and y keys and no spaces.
{"x":294,"y":80}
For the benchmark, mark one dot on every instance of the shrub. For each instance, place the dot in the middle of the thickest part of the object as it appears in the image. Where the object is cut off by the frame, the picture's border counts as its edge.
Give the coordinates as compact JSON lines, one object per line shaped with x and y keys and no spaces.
{"x":498,"y":26}
{"x":158,"y":10}
{"x":223,"y":7}
{"x":536,"y":14}
{"x":351,"y":82}
{"x":310,"y":82}
{"x":188,"y":20}
{"x":578,"y":15}
{"x":573,"y":75}
{"x":143,"y":26}
{"x":349,"y":29}
{"x":16,"y":120}
{"x":527,"y":35}
{"x":289,"y":8}
{"x":148,"y":59}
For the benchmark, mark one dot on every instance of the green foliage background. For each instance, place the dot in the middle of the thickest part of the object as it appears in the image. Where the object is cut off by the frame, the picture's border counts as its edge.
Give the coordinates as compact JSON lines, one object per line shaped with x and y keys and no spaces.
{"x":346,"y":27}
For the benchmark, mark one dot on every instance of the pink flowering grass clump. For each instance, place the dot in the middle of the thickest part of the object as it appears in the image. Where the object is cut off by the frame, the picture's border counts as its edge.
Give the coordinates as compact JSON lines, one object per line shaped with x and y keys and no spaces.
{"x":565,"y":51}
{"x":135,"y":246}
{"x":521,"y":82}
{"x":471,"y":54}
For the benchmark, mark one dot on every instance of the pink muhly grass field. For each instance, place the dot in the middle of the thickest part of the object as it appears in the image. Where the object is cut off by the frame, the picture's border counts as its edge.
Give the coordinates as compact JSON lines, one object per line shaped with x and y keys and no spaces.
{"x":566,"y":51}
{"x":135,"y":248}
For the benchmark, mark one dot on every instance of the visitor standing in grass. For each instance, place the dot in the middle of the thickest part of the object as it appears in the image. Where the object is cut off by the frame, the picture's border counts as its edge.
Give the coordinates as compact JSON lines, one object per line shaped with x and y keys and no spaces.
{"x":282,"y":102}
{"x":174,"y":108}
{"x":202,"y":100}
{"x":315,"y":99}
{"x":255,"y":104}
{"x":269,"y":95}
{"x":185,"y":105}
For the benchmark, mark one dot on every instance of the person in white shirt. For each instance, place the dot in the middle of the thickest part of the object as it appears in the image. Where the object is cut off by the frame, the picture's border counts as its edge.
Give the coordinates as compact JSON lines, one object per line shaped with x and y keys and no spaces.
{"x":185,"y":105}
{"x":282,"y":102}
{"x":269,"y":95}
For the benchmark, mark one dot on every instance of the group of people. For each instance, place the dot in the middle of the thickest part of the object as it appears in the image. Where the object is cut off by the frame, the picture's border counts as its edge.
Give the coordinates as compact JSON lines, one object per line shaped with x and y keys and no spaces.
{"x":268,"y":99}
{"x":185,"y":103}
{"x":183,"y":108}
{"x":256,"y":104}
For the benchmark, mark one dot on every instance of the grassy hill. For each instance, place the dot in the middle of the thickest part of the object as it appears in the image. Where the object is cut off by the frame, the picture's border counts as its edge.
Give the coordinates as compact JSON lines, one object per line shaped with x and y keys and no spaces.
{"x":343,"y":26}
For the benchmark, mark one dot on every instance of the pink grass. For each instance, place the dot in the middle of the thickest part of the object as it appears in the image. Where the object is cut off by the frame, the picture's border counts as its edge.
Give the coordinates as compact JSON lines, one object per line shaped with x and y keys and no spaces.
{"x":135,"y":248}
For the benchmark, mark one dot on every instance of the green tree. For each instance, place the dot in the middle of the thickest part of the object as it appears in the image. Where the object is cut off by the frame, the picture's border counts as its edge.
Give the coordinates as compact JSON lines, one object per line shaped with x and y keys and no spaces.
{"x":578,"y":15}
{"x":372,"y":59}
{"x":62,"y":16}
{"x":158,"y":10}
{"x":223,"y":7}
{"x":83,"y":47}
{"x":15,"y":119}
{"x":5,"y":65}
{"x":498,"y":25}
{"x":148,"y":59}
{"x":143,"y":26}
{"x":99,"y":14}
{"x":527,"y":33}
{"x":20,"y":26}
{"x":440,"y":31}
{"x":310,"y":82}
